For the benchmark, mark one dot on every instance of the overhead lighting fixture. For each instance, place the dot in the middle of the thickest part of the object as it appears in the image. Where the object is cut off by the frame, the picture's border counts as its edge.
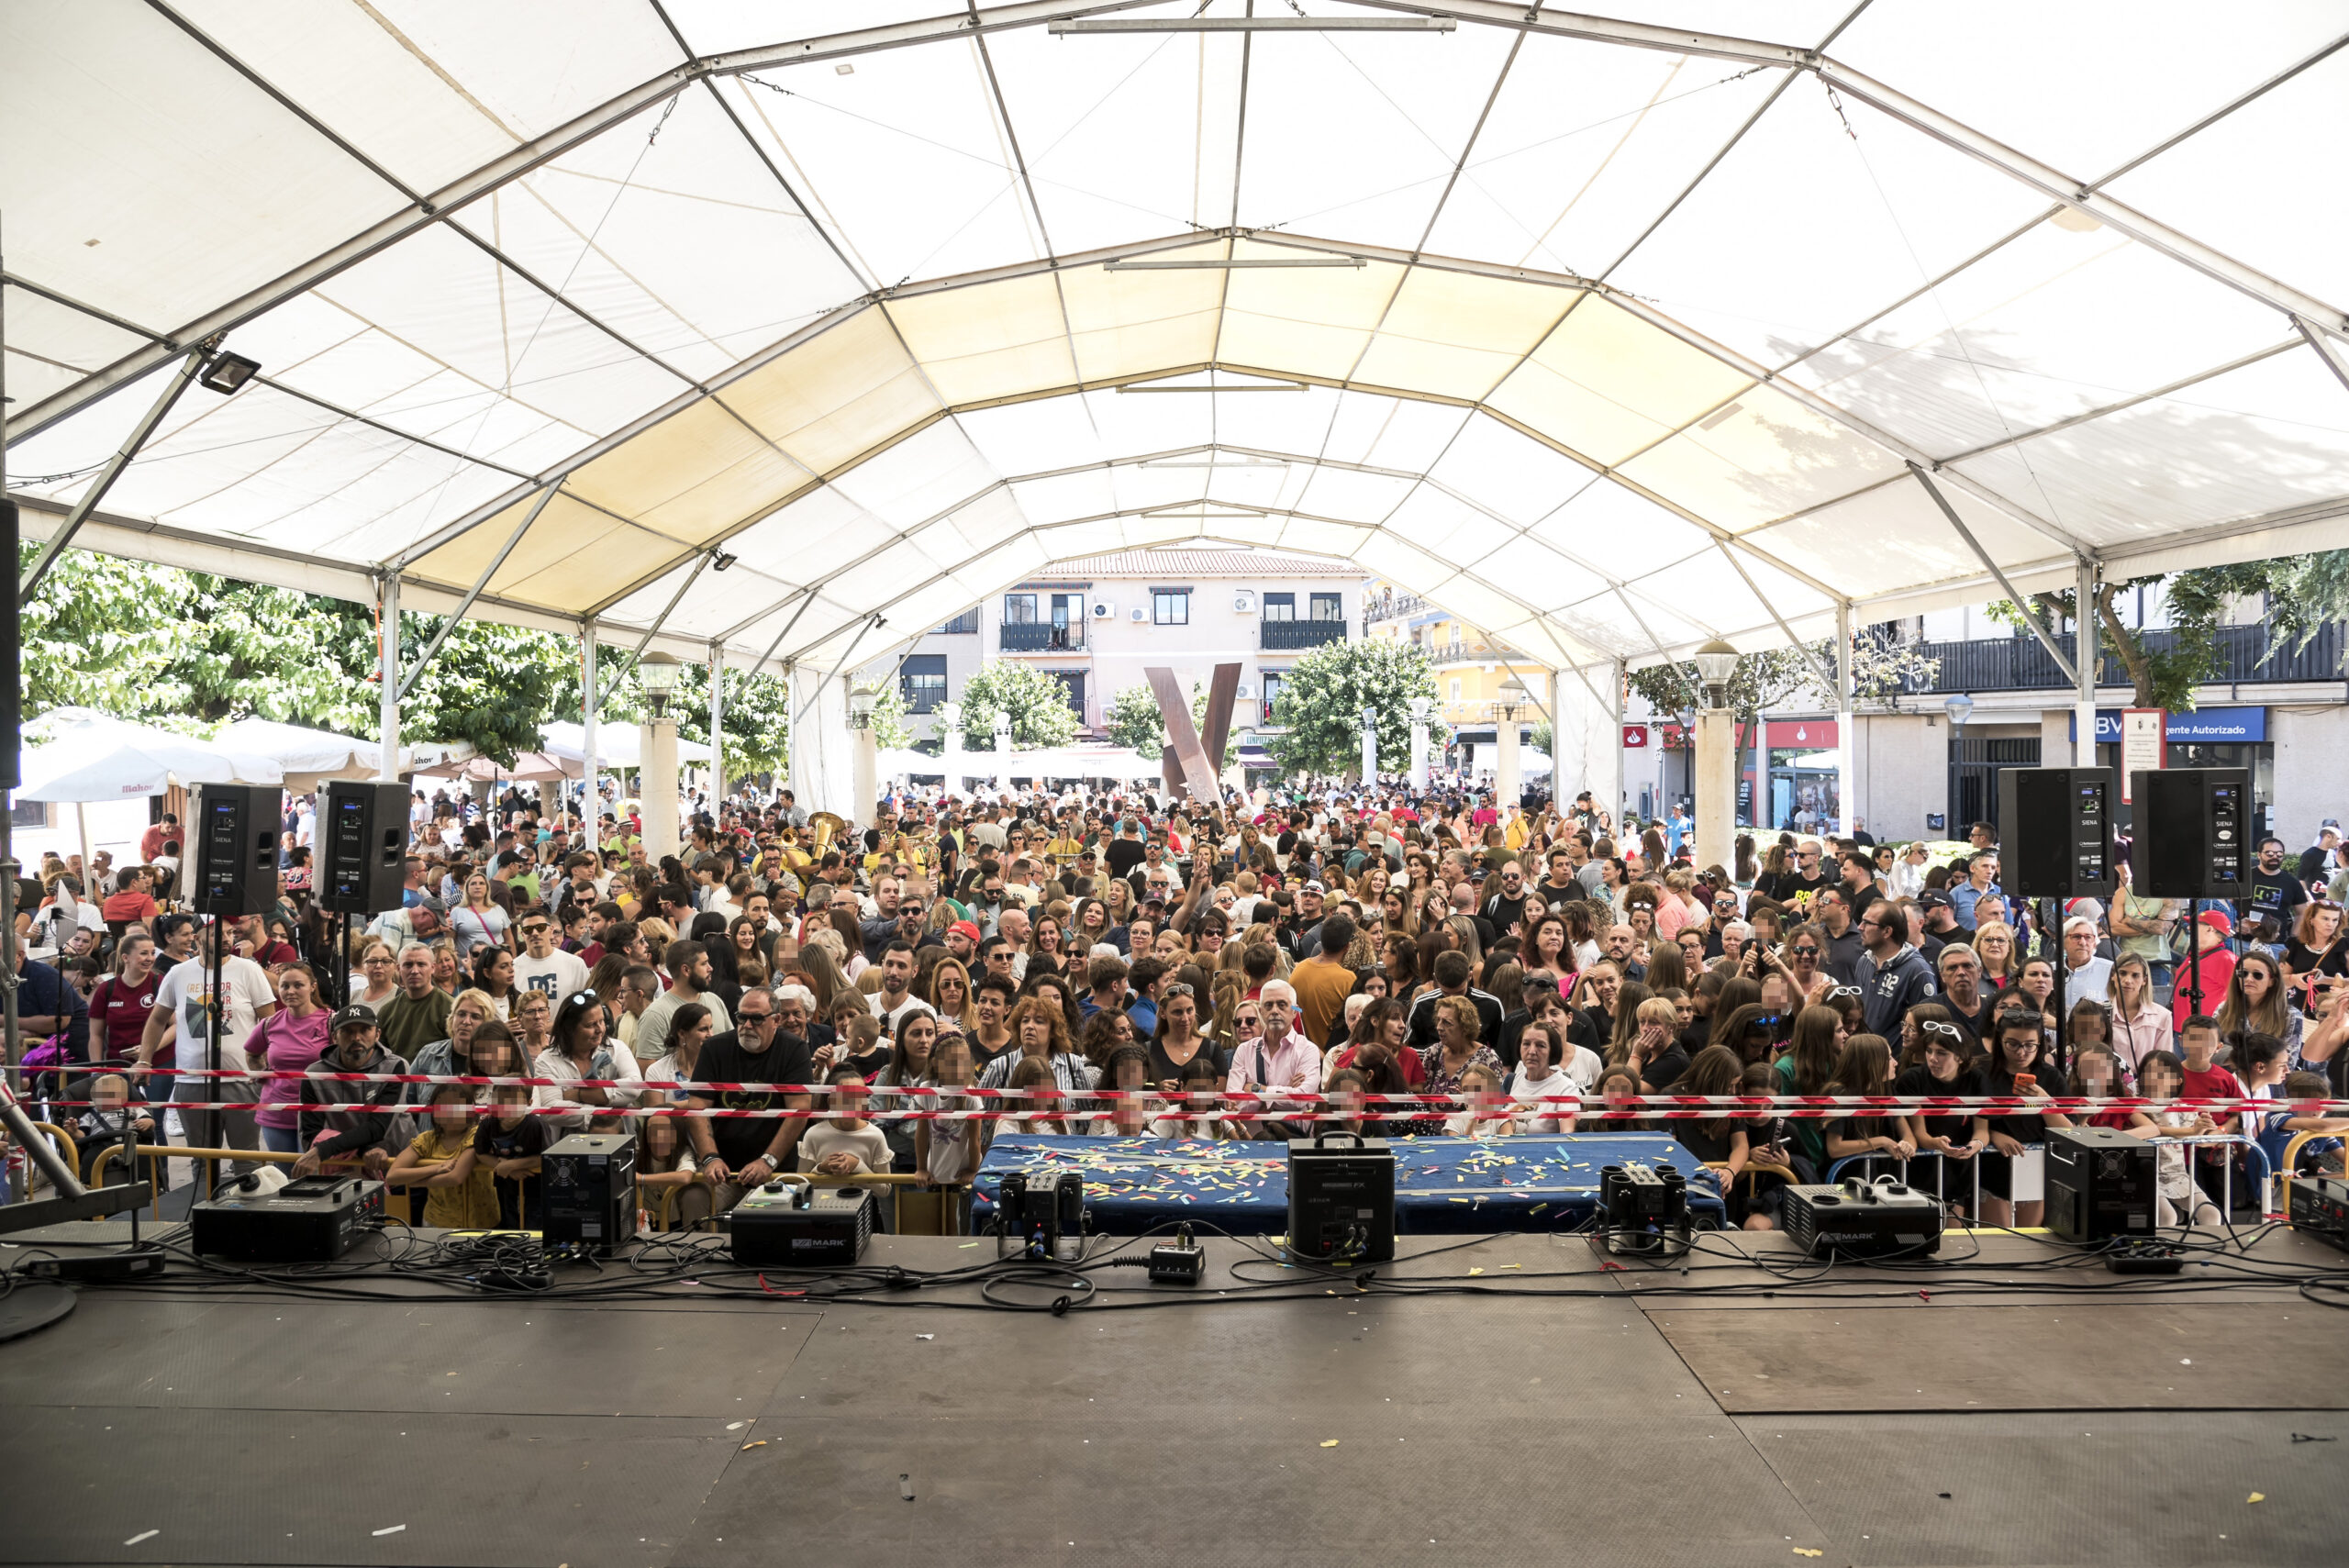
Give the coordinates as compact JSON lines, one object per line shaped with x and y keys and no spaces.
{"x":1233,"y":263}
{"x":720,"y":560}
{"x":1719,"y":418}
{"x":225,"y":372}
{"x":1255,"y":25}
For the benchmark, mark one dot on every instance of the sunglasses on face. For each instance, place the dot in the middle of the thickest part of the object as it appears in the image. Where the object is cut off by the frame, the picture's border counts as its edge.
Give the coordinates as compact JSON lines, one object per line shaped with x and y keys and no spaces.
{"x":1805,"y":953}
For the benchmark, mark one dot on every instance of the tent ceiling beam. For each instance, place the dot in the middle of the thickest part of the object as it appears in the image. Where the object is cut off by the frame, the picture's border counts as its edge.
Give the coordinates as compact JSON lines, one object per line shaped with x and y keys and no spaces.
{"x":408,"y":682}
{"x":2324,"y":53}
{"x":2184,"y":248}
{"x":105,"y":476}
{"x":2021,"y":602}
{"x":1603,"y":30}
{"x":675,"y":600}
{"x":905,"y":35}
{"x":1817,"y":670}
{"x":2169,"y":389}
{"x":2326,"y":349}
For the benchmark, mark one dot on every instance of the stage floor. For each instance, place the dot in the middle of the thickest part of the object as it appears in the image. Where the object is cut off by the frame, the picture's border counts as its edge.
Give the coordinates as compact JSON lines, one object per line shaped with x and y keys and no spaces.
{"x":1640,"y":1421}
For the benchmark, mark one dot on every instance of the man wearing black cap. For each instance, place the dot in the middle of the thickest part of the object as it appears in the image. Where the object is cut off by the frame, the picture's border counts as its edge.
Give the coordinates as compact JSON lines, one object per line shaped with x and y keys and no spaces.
{"x":1940,"y":922}
{"x":343,"y":1120}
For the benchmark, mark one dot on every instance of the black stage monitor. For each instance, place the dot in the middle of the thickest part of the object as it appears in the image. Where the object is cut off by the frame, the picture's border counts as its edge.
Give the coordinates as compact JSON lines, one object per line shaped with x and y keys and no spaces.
{"x":2055,"y":831}
{"x":2194,"y":836}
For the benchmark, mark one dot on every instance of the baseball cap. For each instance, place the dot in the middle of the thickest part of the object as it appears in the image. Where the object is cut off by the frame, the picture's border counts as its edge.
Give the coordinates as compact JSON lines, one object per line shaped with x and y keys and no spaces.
{"x":1314,"y":885}
{"x":2330,"y":825}
{"x":357,"y":1013}
{"x":2220,"y":920}
{"x":964,"y":929}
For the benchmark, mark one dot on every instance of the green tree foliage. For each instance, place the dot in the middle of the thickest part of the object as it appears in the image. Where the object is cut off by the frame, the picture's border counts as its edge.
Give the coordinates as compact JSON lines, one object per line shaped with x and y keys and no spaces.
{"x":102,"y":634}
{"x":1321,"y":703}
{"x":2303,"y":593}
{"x":1037,"y":703}
{"x":1881,"y":669}
{"x":1136,"y":721}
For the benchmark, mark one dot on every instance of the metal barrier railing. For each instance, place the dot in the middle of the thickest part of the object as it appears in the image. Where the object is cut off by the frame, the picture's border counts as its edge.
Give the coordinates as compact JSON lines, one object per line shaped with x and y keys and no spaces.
{"x":2227,"y":1185}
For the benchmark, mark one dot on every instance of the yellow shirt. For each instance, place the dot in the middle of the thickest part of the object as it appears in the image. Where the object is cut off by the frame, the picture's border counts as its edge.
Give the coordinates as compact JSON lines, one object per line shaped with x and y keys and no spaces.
{"x":471,"y":1207}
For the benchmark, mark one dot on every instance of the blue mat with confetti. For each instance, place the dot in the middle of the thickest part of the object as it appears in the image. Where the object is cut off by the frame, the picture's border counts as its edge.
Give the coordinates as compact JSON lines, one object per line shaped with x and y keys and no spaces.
{"x":1442,"y":1185}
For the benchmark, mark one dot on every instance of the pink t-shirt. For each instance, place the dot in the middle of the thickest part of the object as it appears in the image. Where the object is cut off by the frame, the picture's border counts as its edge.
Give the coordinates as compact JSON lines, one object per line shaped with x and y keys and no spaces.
{"x":285,"y":1043}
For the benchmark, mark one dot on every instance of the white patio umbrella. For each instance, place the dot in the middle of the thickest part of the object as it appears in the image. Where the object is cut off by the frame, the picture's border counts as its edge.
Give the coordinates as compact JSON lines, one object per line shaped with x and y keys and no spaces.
{"x":311,"y":757}
{"x":617,"y":745}
{"x":97,"y":758}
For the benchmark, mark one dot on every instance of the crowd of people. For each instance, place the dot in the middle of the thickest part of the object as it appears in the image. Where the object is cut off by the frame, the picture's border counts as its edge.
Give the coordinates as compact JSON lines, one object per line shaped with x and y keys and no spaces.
{"x":1535,"y":965}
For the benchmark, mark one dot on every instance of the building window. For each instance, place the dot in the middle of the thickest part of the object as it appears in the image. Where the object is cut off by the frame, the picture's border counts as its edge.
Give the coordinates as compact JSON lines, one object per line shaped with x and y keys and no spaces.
{"x":1274,"y":680}
{"x":1280,"y":607}
{"x":922,"y":678}
{"x":1168,"y":607}
{"x":966,"y":624}
{"x":1019,"y":609}
{"x":1073,"y":680}
{"x":1456,"y":688}
{"x":1328,"y":606}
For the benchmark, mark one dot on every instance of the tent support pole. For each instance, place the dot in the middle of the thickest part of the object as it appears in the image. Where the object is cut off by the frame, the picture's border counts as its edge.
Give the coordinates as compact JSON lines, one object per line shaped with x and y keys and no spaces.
{"x":590,"y":700}
{"x":387,"y":676}
{"x":480,"y":582}
{"x":2021,"y":602}
{"x":717,"y":725}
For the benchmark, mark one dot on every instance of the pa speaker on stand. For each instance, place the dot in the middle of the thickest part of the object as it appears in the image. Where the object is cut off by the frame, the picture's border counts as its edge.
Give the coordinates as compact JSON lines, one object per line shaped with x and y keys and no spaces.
{"x":2056,"y":843}
{"x":2193,"y":842}
{"x":235,"y":848}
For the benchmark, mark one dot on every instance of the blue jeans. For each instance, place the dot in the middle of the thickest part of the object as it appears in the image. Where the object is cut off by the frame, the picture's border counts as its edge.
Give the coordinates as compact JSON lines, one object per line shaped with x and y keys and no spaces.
{"x":282,"y":1140}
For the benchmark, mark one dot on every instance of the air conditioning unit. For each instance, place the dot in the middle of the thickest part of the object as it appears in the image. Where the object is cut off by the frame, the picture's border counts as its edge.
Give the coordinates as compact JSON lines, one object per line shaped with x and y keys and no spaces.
{"x":1104,"y":611}
{"x":1244,"y":693}
{"x":1243,"y":604}
{"x":1138,"y":615}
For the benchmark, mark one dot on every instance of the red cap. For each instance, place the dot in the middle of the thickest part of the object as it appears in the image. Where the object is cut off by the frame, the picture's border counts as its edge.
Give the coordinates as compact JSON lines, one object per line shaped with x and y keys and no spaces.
{"x":964,"y":928}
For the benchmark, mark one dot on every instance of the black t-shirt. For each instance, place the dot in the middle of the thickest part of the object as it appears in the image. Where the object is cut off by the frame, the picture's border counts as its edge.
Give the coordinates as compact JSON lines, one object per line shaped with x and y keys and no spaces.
{"x":1123,"y":855}
{"x":1503,"y":911}
{"x":2276,"y":897}
{"x":518,"y":1199}
{"x":740,"y":1139}
{"x":1920,"y":1081}
{"x":1661,"y":1071}
{"x":981,"y":1055}
{"x":2304,"y":960}
{"x":1862,"y":899}
{"x":1591,"y":1027}
{"x":1709,"y":1146}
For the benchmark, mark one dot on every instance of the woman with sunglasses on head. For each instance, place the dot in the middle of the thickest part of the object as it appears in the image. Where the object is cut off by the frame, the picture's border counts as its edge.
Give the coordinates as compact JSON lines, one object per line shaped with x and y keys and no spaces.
{"x":2318,"y":953}
{"x":581,"y":1049}
{"x":1938,"y":1061}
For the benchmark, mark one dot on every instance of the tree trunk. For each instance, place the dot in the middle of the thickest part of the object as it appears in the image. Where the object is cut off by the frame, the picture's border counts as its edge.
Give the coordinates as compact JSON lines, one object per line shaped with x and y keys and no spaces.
{"x":2125,"y":643}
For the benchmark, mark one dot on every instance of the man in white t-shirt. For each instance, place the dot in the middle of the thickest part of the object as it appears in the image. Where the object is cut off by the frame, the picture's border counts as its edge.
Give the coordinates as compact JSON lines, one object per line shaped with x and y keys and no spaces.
{"x":544,"y":966}
{"x":183,"y":1010}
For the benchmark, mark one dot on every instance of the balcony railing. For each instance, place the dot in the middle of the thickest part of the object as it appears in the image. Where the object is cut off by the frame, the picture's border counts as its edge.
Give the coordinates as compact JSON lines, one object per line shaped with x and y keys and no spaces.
{"x":1042,"y":637}
{"x":1293,"y":634}
{"x":2246,"y":655}
{"x":1389,"y":604}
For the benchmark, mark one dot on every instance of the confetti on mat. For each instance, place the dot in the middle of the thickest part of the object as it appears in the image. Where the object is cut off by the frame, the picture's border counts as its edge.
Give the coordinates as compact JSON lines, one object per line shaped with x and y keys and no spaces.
{"x":1331,"y":1443}
{"x":2256,"y":1498}
{"x":1473,"y":1272}
{"x":748,"y":1447}
{"x":1809,"y":1552}
{"x":143,"y":1535}
{"x":391,"y":1530}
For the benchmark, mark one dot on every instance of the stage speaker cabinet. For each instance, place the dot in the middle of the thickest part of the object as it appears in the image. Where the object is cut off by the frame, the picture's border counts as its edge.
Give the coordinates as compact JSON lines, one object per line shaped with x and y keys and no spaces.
{"x":2193,"y":835}
{"x":2100,"y":1184}
{"x":2055,"y":831}
{"x":362,"y":847}
{"x":235,"y":851}
{"x":588,"y":1182}
{"x":1342,"y":1199}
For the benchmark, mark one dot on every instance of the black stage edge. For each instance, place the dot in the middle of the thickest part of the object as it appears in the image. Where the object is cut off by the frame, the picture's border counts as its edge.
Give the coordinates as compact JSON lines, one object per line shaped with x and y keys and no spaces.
{"x":1614,"y":1420}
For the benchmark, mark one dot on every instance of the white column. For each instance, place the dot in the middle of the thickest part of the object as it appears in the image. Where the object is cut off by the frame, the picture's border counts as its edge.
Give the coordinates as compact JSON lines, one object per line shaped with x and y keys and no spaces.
{"x":1612,"y":801}
{"x":1506,"y":785}
{"x":1715,"y":786}
{"x":866,"y":773}
{"x":1761,"y":770}
{"x":387,"y":668}
{"x":821,"y":759}
{"x":716,"y":727}
{"x":657,"y":783}
{"x":2086,"y":660}
{"x":1003,"y":754}
{"x":590,"y":699}
{"x":1846,"y":809}
{"x":1418,"y":751}
{"x":1369,"y":750}
{"x":950,"y":746}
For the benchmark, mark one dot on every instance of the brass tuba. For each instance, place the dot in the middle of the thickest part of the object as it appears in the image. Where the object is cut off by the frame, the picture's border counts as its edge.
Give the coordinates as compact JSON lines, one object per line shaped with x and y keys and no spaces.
{"x":827,"y":825}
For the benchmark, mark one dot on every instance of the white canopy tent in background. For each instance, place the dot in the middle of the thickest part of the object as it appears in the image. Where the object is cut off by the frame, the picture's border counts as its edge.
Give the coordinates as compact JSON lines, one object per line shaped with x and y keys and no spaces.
{"x":309,"y":757}
{"x":780,"y":335}
{"x":617,"y":745}
{"x":93,"y":758}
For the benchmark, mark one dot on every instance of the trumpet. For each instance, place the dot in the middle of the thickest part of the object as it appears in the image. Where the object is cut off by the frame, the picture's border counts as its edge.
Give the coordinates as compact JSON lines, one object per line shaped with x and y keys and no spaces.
{"x":827,"y":826}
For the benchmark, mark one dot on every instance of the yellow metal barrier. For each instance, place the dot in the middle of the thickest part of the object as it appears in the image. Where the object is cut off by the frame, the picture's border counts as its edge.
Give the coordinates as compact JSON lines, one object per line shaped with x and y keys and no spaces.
{"x":104,"y":1154}
{"x":2286,"y":1165}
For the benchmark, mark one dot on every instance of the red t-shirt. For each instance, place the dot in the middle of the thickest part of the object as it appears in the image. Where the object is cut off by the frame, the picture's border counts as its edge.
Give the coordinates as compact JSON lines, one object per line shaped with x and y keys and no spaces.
{"x":151,"y":842}
{"x":2214,"y":1083}
{"x":119,"y":1015}
{"x":131,"y":906}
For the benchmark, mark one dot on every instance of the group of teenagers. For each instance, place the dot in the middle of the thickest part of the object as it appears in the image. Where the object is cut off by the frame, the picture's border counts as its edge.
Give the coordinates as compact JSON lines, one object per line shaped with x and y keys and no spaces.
{"x":1528,"y":968}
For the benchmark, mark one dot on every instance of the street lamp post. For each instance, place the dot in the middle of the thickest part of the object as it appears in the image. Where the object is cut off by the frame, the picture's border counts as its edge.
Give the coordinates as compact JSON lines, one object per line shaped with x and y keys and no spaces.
{"x":1514,"y":701}
{"x":656,"y":675}
{"x":1715,"y":784}
{"x":1422,"y":709}
{"x":950,"y":745}
{"x":866,"y":776}
{"x":1960,"y":709}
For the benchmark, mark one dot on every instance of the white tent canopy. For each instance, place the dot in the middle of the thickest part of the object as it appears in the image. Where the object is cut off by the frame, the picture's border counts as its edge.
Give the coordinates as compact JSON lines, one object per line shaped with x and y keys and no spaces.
{"x":311,"y":757}
{"x":1624,"y":335}
{"x":1039,"y":762}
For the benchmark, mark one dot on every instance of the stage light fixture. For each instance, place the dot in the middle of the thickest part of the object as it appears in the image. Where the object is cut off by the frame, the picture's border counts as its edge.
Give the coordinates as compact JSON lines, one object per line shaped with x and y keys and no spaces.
{"x":225,"y":372}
